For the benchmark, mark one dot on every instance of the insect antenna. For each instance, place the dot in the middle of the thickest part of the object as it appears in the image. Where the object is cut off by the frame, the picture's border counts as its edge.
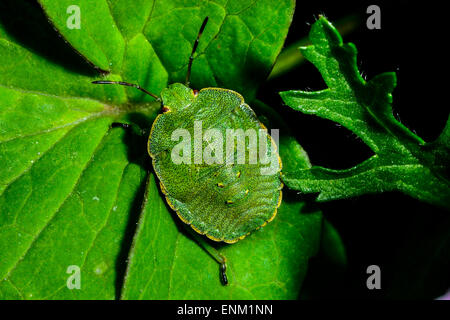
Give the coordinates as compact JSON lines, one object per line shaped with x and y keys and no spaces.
{"x":191,"y":58}
{"x":128,"y":85}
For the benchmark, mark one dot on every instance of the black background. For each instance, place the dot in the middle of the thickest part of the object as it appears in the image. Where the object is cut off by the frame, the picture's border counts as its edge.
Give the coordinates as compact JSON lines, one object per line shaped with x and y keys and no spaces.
{"x":408,"y":239}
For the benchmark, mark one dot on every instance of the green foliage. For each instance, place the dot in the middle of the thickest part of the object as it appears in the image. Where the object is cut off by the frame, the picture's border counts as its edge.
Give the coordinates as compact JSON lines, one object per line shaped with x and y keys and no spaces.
{"x":402,"y":161}
{"x":270,"y":264}
{"x":254,"y":190}
{"x":149,"y":42}
{"x":72,"y":188}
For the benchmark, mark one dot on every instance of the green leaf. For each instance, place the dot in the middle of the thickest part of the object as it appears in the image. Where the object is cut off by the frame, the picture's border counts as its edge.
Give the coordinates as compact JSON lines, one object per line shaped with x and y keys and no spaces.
{"x":67,"y":190}
{"x":64,"y":199}
{"x":332,"y":246}
{"x":326,"y":274}
{"x":149,"y":42}
{"x":72,"y":185}
{"x":269,"y":264}
{"x":165,"y":263}
{"x":290,"y":57}
{"x":402,"y":160}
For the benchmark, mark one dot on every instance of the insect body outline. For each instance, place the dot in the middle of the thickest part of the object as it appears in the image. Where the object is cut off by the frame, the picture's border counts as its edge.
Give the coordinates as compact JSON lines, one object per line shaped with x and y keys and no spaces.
{"x":225,"y":201}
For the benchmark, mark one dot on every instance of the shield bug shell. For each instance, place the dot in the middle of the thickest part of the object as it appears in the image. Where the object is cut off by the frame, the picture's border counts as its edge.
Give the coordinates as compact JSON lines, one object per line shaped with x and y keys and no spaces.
{"x":224,"y":200}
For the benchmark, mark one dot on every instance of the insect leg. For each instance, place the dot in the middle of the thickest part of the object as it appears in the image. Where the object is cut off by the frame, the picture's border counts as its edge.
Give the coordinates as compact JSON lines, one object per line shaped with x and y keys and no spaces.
{"x":120,"y":125}
{"x":213,"y":252}
{"x":223,"y":273}
{"x":128,"y":85}
{"x":134,"y":128}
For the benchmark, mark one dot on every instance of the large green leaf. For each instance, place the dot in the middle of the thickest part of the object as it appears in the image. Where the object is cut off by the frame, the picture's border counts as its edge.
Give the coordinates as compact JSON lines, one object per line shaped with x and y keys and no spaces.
{"x":72,"y":186}
{"x":165,"y":263}
{"x":164,"y":260}
{"x":402,"y":160}
{"x":150,"y":41}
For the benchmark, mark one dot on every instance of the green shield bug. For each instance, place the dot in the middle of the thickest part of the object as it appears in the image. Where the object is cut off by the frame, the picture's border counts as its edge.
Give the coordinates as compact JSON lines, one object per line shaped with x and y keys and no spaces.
{"x":199,"y":146}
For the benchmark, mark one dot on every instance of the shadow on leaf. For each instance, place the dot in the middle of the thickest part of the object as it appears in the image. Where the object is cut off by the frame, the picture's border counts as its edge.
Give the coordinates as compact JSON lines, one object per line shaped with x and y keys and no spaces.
{"x":25,"y":22}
